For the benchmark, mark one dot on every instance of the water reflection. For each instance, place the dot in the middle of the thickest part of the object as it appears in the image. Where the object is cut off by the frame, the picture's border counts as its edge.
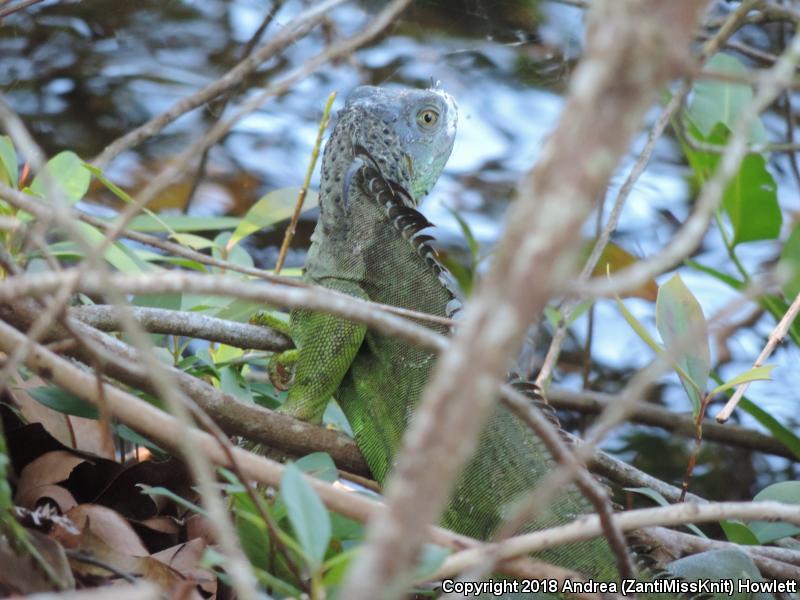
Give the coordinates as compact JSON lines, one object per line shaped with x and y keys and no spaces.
{"x":81,"y":74}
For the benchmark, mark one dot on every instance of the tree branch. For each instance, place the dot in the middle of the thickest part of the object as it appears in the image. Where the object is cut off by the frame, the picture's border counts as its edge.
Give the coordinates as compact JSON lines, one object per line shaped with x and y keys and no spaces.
{"x":650,"y":414}
{"x":106,"y":317}
{"x":633,"y":48}
{"x":255,"y":423}
{"x":294,"y":31}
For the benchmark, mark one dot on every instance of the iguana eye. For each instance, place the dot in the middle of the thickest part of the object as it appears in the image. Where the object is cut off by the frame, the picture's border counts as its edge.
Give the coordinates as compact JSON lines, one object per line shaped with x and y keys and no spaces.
{"x":427,"y":118}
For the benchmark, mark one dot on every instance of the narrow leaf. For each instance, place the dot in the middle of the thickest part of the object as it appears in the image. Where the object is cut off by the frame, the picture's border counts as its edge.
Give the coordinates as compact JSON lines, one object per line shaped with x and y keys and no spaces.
{"x":640,"y":329}
{"x":790,"y":263}
{"x":679,"y":318}
{"x":659,"y":499}
{"x":181,"y":223}
{"x":8,"y":162}
{"x":307,"y":514}
{"x":754,"y":374}
{"x":272,"y":208}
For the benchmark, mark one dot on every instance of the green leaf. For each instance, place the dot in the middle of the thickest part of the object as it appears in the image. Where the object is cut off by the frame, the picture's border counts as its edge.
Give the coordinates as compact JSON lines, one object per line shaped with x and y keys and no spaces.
{"x":307,"y":514}
{"x":767,"y":531}
{"x":336,"y":567}
{"x":472,"y":243}
{"x":126,"y":433}
{"x":750,"y":199}
{"x":235,"y":254}
{"x":754,"y":374}
{"x":790,"y":262}
{"x":193,"y":241}
{"x":638,"y":327}
{"x":166,"y":493}
{"x":719,"y":565}
{"x":738,"y":533}
{"x":8,"y":162}
{"x":781,"y":433}
{"x":715,"y":101}
{"x":181,"y":223}
{"x":661,"y":501}
{"x":68,"y":174}
{"x":679,"y":317}
{"x":319,"y":465}
{"x":64,"y":402}
{"x":272,"y":208}
{"x":118,"y":255}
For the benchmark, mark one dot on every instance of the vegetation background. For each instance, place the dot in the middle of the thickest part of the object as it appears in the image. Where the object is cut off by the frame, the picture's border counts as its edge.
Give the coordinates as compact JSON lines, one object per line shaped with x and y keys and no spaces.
{"x":152,"y":156}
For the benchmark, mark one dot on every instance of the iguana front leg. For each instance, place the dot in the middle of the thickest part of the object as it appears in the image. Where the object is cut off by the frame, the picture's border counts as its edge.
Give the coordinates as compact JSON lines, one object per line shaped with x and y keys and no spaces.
{"x":326,"y":346}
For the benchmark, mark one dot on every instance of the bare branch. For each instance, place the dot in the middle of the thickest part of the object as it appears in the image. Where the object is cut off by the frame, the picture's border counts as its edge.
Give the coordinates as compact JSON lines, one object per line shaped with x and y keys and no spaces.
{"x":588,"y":526}
{"x":633,"y":48}
{"x":651,"y":414}
{"x":312,"y":298}
{"x":188,"y":324}
{"x":43,"y":211}
{"x":295,"y":30}
{"x":776,"y":563}
{"x":266,"y":427}
{"x":23,"y":4}
{"x":775,"y":337}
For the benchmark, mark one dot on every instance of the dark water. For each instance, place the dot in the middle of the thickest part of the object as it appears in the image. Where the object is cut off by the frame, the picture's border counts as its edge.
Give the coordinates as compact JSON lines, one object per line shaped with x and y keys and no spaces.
{"x":83,"y":73}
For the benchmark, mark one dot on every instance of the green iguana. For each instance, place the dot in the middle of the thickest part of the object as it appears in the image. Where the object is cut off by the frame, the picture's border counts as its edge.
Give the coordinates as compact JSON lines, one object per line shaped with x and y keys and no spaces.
{"x":386,"y":151}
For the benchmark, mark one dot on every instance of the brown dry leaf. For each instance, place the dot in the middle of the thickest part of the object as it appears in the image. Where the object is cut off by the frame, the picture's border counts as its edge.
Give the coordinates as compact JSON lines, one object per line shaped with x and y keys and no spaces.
{"x":186,"y":590}
{"x":102,"y":555}
{"x":20,"y":574}
{"x":55,"y":423}
{"x":163,"y":524}
{"x":32,"y":497}
{"x":108,"y":526}
{"x":91,"y":436}
{"x":197,"y":526}
{"x":51,"y":468}
{"x":185,"y":558}
{"x":615,"y":258}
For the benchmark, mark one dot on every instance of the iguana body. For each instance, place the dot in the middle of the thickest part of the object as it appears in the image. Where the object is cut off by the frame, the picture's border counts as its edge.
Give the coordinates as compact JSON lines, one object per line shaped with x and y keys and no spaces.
{"x":367,"y":243}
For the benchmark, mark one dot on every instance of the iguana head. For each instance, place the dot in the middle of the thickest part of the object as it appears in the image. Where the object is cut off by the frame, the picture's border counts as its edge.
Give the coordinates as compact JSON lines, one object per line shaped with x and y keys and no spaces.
{"x":407,"y":134}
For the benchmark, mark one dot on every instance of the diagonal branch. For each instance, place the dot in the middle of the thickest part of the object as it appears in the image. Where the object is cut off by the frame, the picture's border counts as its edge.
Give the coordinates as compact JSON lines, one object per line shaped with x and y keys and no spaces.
{"x":633,"y":49}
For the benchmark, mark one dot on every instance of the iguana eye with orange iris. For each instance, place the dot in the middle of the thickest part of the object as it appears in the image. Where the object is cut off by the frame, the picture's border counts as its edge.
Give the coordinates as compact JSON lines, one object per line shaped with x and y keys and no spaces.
{"x":427,"y":118}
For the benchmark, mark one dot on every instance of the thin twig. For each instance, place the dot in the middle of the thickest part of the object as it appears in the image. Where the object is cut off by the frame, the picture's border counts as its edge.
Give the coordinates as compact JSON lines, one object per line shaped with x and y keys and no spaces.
{"x":43,"y":211}
{"x":312,"y":298}
{"x":674,"y":105}
{"x":295,"y":30}
{"x":292,"y":227}
{"x":690,"y":235}
{"x":775,"y":337}
{"x":221,"y":103}
{"x":23,"y":4}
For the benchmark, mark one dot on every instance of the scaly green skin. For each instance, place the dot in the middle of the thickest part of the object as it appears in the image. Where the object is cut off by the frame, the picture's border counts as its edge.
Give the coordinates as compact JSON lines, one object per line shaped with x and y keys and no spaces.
{"x":358,"y":248}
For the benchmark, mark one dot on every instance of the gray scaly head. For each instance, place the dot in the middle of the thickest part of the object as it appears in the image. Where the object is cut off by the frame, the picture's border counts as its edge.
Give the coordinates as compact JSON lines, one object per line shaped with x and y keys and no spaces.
{"x":406,"y":135}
